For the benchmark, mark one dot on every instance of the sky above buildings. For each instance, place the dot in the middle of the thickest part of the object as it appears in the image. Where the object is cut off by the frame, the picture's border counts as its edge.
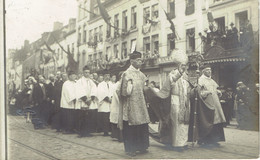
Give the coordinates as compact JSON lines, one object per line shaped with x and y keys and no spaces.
{"x":28,"y":19}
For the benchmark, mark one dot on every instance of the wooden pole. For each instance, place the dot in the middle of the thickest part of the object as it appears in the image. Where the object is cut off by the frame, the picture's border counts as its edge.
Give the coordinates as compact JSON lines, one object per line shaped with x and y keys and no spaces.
{"x":195,"y":108}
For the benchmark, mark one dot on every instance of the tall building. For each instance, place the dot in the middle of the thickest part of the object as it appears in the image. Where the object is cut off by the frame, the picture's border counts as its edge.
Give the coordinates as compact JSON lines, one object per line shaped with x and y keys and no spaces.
{"x":234,"y":59}
{"x":137,"y":22}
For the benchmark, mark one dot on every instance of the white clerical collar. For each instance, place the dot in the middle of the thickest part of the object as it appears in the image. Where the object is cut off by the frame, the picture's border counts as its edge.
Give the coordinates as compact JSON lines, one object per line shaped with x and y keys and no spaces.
{"x":86,"y":78}
{"x":133,"y":68}
{"x":72,"y":81}
{"x":209,"y":78}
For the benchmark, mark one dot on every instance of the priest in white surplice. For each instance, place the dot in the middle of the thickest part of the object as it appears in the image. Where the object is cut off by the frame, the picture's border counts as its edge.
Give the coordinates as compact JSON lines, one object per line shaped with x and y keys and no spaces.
{"x":104,"y":95}
{"x":68,"y":101}
{"x":114,"y":110}
{"x":87,"y":104}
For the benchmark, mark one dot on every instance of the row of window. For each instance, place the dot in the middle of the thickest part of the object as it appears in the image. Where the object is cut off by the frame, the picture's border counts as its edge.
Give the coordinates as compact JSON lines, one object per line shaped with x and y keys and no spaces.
{"x":150,"y":47}
{"x":149,"y":13}
{"x":95,"y":35}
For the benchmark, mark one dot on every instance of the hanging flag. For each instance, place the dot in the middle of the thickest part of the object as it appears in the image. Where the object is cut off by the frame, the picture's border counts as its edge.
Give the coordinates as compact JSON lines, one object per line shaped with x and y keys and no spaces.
{"x":105,"y":15}
{"x":172,"y":27}
{"x":72,"y":64}
{"x":88,"y":11}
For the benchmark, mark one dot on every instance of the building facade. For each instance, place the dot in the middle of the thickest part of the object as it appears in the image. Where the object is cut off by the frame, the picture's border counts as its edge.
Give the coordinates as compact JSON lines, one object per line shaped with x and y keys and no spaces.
{"x":138,"y":23}
{"x":105,"y":43}
{"x":234,"y":63}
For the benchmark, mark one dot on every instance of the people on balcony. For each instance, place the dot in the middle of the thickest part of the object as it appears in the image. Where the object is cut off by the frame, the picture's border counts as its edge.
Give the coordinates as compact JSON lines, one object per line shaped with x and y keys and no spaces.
{"x":234,"y":36}
{"x":227,"y":38}
{"x":246,"y":34}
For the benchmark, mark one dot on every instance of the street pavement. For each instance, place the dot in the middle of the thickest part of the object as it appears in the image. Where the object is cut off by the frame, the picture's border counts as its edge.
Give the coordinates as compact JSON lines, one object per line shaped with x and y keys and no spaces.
{"x":25,"y":143}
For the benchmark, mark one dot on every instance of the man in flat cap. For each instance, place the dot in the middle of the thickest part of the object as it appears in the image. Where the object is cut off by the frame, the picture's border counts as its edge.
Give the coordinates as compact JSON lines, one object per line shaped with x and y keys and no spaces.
{"x":133,"y":114}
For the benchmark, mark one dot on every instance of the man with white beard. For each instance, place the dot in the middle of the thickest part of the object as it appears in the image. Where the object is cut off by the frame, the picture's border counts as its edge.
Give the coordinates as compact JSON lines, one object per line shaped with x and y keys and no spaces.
{"x":87,"y":103}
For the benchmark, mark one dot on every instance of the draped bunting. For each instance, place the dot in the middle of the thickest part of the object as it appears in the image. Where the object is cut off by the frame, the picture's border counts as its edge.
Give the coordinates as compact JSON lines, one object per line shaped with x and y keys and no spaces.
{"x":191,"y":33}
{"x":146,"y":28}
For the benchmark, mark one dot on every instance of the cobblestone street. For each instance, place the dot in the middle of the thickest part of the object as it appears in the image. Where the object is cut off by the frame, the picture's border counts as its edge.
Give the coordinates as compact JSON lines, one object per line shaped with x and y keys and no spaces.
{"x":26,"y":143}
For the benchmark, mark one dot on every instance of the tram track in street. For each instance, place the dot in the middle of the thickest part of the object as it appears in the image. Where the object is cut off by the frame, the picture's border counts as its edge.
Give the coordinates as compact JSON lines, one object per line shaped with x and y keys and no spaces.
{"x":64,"y":140}
{"x":97,"y":150}
{"x":34,"y":150}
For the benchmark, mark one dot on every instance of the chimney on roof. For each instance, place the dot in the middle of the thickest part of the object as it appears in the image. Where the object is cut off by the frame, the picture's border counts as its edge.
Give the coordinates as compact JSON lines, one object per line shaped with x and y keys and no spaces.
{"x":26,"y":43}
{"x":57,"y":25}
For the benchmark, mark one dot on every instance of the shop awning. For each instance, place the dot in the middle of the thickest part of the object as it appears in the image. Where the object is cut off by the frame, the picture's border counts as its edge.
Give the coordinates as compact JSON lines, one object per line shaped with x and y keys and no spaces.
{"x":217,"y":54}
{"x":225,"y":60}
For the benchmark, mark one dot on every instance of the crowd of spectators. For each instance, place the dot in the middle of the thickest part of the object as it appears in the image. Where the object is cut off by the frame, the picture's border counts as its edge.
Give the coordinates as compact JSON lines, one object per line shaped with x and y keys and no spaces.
{"x":228,"y":38}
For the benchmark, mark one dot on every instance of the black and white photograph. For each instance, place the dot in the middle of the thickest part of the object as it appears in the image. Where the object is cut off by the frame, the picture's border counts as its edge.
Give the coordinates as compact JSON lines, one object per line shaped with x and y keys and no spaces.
{"x":129,"y":79}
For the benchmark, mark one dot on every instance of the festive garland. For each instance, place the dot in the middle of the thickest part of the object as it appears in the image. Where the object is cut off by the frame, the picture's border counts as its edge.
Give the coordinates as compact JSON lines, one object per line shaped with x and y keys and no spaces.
{"x":190,"y":34}
{"x":146,"y":28}
{"x":125,"y":34}
{"x":92,"y":44}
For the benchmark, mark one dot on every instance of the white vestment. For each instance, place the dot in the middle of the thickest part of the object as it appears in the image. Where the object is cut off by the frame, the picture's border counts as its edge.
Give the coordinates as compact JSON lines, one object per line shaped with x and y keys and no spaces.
{"x":68,"y":94}
{"x":86,"y":87}
{"x":103,"y":91}
{"x":114,"y":107}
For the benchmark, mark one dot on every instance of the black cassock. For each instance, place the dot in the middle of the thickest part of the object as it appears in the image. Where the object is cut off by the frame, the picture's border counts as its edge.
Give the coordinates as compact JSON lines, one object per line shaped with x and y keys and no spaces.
{"x":56,"y":118}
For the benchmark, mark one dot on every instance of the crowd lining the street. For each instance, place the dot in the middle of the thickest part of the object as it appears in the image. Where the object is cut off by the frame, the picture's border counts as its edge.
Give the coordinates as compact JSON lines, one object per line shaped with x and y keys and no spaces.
{"x":124,"y":105}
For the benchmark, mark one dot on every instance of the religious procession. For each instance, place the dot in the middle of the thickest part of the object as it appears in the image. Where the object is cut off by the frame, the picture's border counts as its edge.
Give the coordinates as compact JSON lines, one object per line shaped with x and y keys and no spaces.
{"x":122,"y":106}
{"x":167,"y":83}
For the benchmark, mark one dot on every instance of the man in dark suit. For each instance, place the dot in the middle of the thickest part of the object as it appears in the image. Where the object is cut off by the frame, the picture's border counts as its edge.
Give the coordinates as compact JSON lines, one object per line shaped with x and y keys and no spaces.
{"x":234,"y":35}
{"x":50,"y":98}
{"x":39,"y":98}
{"x":56,"y":119}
